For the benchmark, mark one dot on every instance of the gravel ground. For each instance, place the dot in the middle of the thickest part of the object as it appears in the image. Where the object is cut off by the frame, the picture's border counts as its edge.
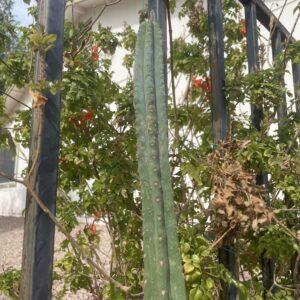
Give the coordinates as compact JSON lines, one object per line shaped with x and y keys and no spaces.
{"x":11,"y":238}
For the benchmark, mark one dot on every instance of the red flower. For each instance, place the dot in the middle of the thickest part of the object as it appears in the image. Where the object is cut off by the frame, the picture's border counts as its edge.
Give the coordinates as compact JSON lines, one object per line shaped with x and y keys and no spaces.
{"x":87,"y":116}
{"x":203,"y":84}
{"x":197,"y":83}
{"x":243,"y":29}
{"x":95,"y":48}
{"x":95,"y":53}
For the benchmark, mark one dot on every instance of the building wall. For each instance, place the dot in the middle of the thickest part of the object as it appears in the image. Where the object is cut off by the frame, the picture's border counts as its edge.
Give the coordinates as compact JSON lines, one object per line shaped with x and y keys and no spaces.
{"x":13,"y":195}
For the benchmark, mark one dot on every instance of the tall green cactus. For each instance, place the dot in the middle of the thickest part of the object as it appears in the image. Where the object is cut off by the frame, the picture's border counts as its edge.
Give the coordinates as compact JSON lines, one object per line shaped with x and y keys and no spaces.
{"x":163,"y":269}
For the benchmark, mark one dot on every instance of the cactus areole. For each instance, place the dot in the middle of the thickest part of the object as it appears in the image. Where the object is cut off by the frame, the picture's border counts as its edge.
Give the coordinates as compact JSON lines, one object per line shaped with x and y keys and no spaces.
{"x":163,"y":277}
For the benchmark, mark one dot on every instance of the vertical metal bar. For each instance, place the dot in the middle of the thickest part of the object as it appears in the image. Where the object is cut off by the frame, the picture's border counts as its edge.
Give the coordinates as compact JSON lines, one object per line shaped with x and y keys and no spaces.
{"x":38,"y":243}
{"x":252,"y":54}
{"x":295,"y":264}
{"x":160,"y":10}
{"x":296,"y":79}
{"x":267,"y":269}
{"x":226,"y":253}
{"x":257,"y":117}
{"x":217,"y":70}
{"x":277,"y":48}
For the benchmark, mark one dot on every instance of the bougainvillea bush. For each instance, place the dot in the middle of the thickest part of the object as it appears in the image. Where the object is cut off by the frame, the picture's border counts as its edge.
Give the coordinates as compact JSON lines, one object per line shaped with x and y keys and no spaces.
{"x":216,"y":197}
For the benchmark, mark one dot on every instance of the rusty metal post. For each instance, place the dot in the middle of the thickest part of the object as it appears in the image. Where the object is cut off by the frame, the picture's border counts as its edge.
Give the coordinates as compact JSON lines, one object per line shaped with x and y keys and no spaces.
{"x":226,"y":253}
{"x":38,"y":243}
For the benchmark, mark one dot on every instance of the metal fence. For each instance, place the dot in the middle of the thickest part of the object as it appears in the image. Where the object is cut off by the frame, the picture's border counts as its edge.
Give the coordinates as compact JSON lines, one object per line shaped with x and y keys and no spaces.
{"x":255,"y":11}
{"x":39,"y":229}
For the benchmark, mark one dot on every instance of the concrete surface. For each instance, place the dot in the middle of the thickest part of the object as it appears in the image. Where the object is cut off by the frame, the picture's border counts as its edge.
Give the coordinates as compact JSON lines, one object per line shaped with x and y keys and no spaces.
{"x":11,"y":238}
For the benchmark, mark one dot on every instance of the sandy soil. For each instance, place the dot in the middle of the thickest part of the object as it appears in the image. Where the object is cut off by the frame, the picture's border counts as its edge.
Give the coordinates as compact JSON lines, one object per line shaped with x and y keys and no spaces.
{"x":11,"y":238}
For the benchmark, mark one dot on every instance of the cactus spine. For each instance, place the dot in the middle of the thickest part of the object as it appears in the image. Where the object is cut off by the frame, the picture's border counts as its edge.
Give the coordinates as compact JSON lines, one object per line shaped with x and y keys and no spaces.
{"x":162,"y":262}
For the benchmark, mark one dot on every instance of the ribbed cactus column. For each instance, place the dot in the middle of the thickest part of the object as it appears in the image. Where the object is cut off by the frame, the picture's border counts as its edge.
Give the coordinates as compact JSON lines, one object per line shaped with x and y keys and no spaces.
{"x":163,"y":269}
{"x":142,"y":147}
{"x":177,"y":285}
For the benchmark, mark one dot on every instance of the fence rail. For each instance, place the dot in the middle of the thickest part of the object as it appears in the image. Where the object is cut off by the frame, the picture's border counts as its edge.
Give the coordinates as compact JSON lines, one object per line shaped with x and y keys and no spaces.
{"x":266,"y":17}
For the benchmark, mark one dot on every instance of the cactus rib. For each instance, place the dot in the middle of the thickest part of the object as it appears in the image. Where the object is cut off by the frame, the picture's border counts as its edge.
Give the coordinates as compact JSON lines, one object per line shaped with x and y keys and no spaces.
{"x":160,"y":241}
{"x":142,"y":147}
{"x":177,"y":285}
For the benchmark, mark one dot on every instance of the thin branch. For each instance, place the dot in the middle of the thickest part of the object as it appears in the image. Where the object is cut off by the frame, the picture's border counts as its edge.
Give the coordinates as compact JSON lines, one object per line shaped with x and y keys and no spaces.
{"x":15,"y":99}
{"x":287,"y":230}
{"x":272,"y":30}
{"x":73,"y":242}
{"x":139,"y":295}
{"x":41,"y":111}
{"x":98,"y":16}
{"x":288,"y":209}
{"x":277,"y":19}
{"x":279,"y":285}
{"x":167,"y":2}
{"x":216,"y":242}
{"x":290,"y":37}
{"x":293,"y":141}
{"x":7,"y":66}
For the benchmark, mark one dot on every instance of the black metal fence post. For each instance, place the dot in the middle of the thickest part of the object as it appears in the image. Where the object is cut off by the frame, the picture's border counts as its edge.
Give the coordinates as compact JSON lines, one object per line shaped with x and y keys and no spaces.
{"x":278,"y":40}
{"x":257,"y":117}
{"x":226,"y":253}
{"x":277,"y":48}
{"x":296,"y":79}
{"x":159,"y":7}
{"x":38,"y":243}
{"x":217,"y":70}
{"x":253,"y":55}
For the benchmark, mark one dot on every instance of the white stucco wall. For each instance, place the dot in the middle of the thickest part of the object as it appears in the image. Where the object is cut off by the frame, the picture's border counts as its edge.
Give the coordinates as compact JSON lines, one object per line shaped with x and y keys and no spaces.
{"x":12,"y":196}
{"x":12,"y":199}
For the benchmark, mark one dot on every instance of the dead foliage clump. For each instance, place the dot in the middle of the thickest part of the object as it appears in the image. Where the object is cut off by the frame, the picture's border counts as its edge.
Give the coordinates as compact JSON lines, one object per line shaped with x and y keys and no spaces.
{"x":237,"y":204}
